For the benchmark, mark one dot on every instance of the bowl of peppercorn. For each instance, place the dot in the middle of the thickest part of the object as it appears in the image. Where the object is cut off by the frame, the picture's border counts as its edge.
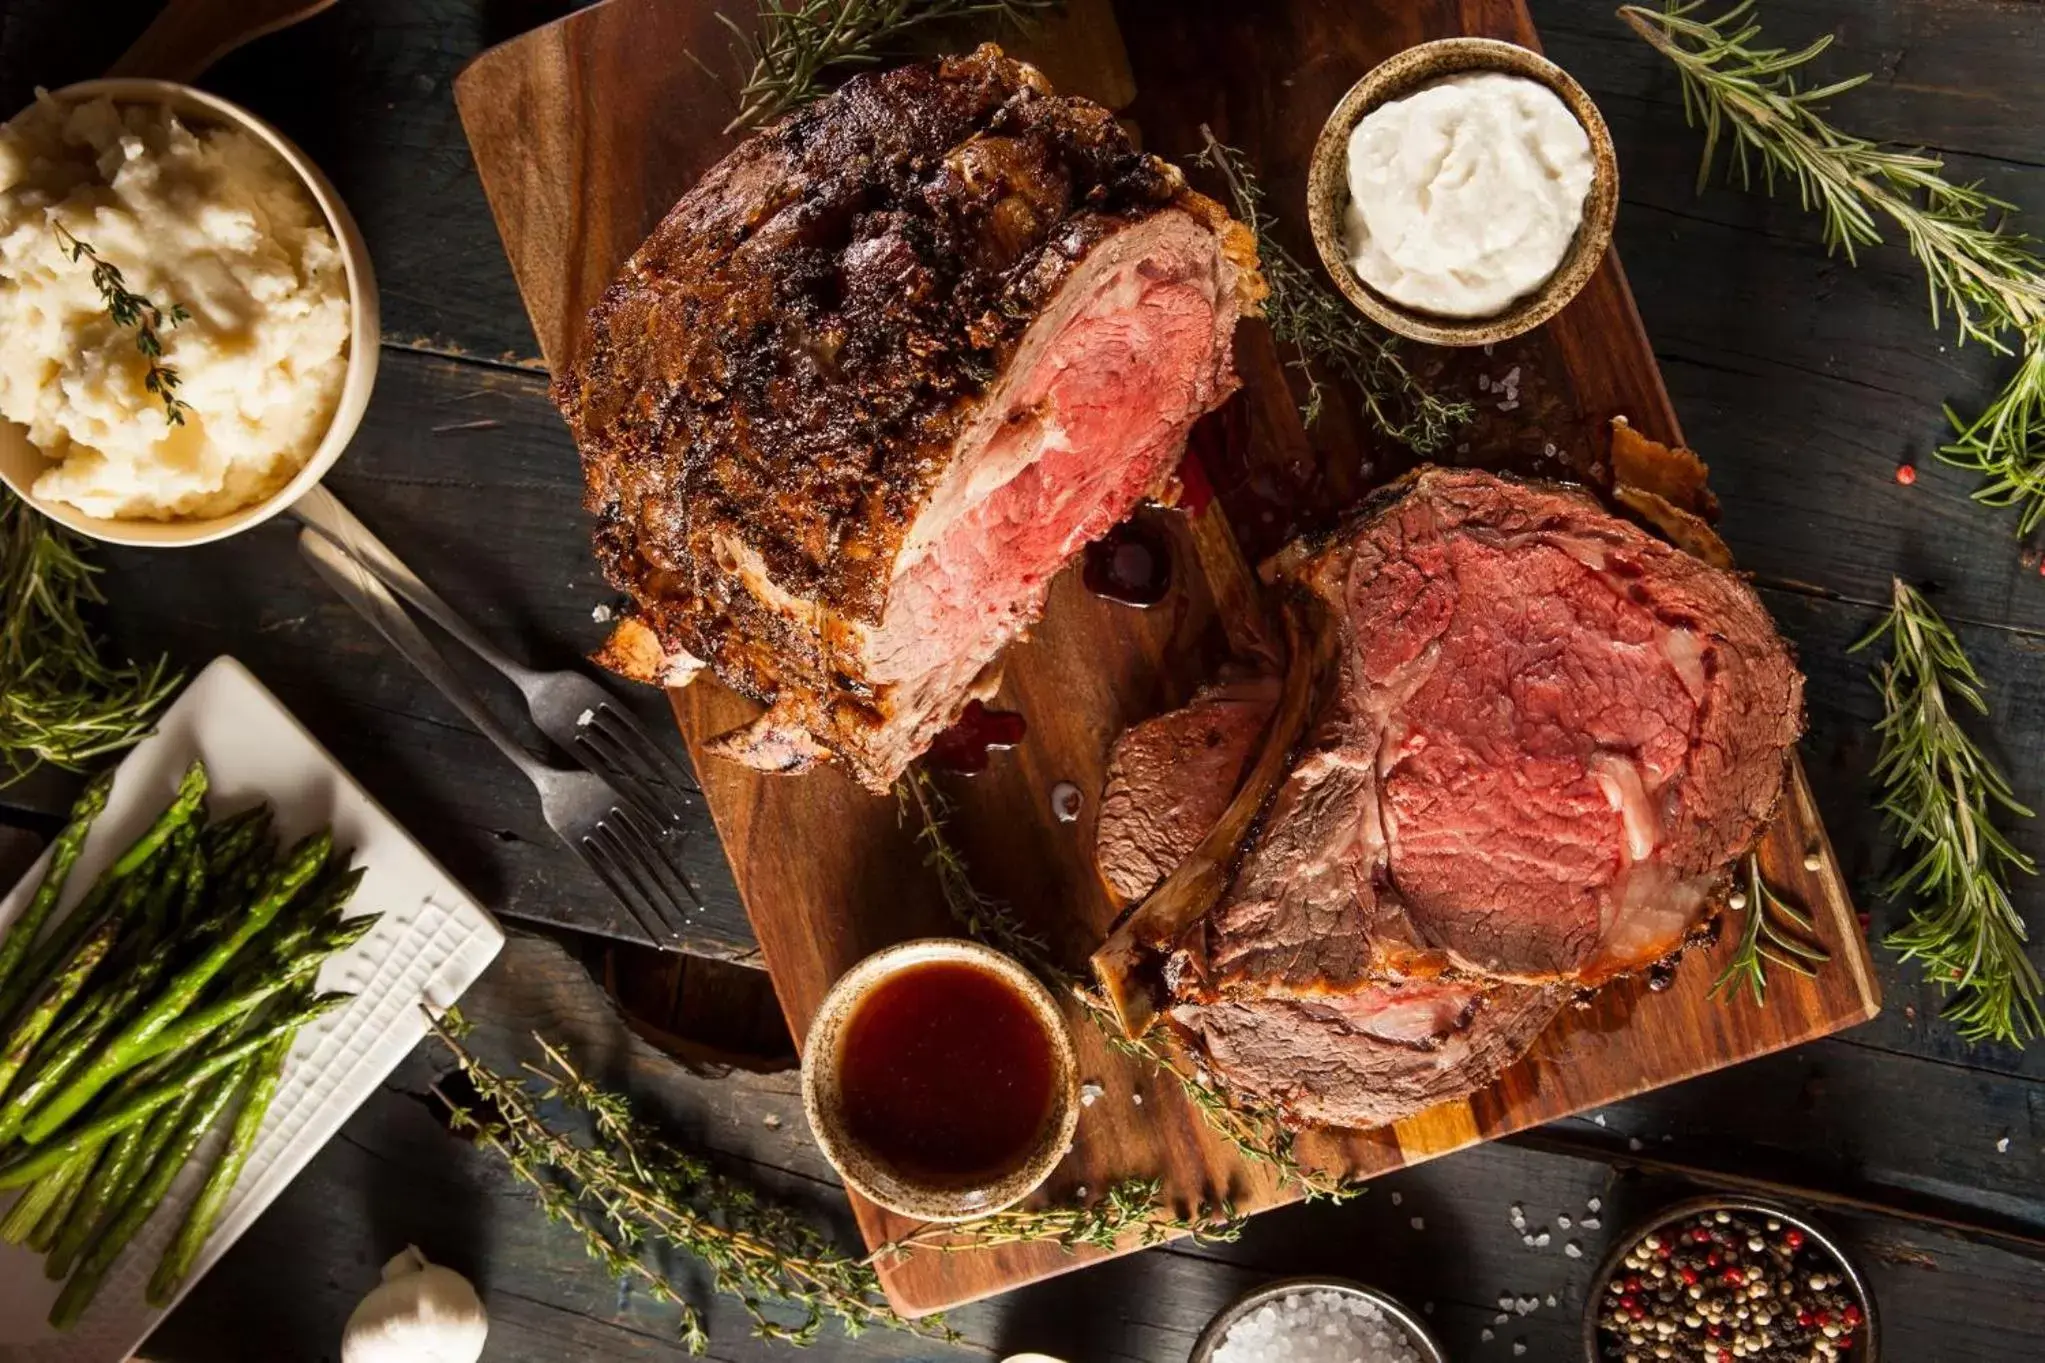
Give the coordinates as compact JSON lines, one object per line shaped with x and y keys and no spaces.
{"x":1729,"y":1280}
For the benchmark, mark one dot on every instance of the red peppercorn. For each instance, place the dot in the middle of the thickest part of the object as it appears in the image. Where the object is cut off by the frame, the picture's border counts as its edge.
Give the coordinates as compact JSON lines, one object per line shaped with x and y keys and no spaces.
{"x":1823,"y":1318}
{"x":1851,"y":1315}
{"x":1638,"y":1313}
{"x":1688,"y":1275}
{"x":1725,"y":1356}
{"x":1628,"y":1302}
{"x":1633,"y":1282}
{"x":1905,"y":474}
{"x":1805,"y":1319}
{"x":1712,"y":1260}
{"x":1793,"y":1237}
{"x":1715,"y":1331}
{"x":1662,"y":1251}
{"x":1735,"y":1277}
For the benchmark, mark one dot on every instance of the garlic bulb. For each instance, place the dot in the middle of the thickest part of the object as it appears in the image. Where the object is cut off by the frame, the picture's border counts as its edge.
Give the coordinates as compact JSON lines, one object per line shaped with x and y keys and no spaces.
{"x":420,"y":1313}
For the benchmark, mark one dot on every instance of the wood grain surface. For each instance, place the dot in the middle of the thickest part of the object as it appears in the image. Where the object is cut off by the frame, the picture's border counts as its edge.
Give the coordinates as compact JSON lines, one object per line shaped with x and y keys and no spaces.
{"x":586,"y":132}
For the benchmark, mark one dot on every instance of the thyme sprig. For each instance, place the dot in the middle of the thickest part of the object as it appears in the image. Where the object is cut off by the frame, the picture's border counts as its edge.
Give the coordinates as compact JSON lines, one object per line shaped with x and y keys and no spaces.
{"x":131,"y":311}
{"x":1774,"y":932}
{"x":1255,"y":1132}
{"x":632,"y":1195}
{"x":799,"y":45}
{"x":1989,"y":278}
{"x":1132,"y":1209}
{"x":1324,"y":333}
{"x":1940,"y":793}
{"x":61,"y":701}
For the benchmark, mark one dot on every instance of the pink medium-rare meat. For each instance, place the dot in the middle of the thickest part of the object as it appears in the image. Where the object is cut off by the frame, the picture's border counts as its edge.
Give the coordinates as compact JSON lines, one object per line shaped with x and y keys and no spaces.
{"x":1552,"y":736}
{"x":876,"y":380}
{"x":1360,"y":1057}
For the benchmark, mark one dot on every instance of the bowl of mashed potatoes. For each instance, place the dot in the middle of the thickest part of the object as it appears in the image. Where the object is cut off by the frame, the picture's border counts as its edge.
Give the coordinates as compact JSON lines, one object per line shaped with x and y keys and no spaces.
{"x":1463,"y":191}
{"x":188,"y":320}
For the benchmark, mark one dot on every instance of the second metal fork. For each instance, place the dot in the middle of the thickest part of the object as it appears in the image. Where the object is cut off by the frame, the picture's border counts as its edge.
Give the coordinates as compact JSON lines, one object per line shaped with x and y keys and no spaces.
{"x":615,"y":841}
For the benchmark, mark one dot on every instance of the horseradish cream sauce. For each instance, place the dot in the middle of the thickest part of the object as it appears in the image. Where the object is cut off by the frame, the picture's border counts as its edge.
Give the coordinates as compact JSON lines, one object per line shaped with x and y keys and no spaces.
{"x":1464,"y":195}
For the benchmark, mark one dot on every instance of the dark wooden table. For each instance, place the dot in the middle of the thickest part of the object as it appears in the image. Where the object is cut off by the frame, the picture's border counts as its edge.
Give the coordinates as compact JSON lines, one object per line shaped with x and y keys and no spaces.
{"x":1803,"y":381}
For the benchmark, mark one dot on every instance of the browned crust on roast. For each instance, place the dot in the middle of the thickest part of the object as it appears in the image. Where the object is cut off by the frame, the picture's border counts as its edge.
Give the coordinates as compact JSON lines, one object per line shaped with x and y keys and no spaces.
{"x":786,"y":364}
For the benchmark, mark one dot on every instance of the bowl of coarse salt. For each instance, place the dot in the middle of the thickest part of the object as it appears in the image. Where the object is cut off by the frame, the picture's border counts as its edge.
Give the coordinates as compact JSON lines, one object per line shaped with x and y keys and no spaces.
{"x":1316,"y":1320}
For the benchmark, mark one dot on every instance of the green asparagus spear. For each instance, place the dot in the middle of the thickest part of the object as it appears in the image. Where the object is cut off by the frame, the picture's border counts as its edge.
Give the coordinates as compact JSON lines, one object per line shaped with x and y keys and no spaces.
{"x":20,"y":1221}
{"x":258,"y":1091}
{"x":21,"y":1042}
{"x":125,"y":1050}
{"x":197,"y":1024}
{"x":228,"y":839}
{"x":30,"y":1165}
{"x":124,"y":1164}
{"x":73,"y":1177}
{"x":22,"y":933}
{"x":191,"y":790}
{"x":108,"y":1242}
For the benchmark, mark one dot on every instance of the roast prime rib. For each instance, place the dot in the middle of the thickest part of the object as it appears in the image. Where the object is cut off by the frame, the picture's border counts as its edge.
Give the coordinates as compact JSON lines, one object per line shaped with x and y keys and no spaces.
{"x":881,"y":374}
{"x":1547,"y":736}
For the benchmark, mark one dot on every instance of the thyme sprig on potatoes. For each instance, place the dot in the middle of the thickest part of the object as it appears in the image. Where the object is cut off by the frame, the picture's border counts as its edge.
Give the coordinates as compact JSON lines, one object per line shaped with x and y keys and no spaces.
{"x":61,"y":701}
{"x":1940,"y":795}
{"x":1982,"y":274}
{"x":131,"y":311}
{"x":1324,"y":334}
{"x":800,"y":45}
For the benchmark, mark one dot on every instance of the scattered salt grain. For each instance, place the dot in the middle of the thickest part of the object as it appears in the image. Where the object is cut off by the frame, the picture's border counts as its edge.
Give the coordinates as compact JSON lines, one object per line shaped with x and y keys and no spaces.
{"x":1573,"y":1250}
{"x":1529,"y":1240}
{"x":1488,"y":347}
{"x":1418,"y":1223}
{"x":1316,"y":1327}
{"x":1590,"y":1223}
{"x":1562,"y":1221}
{"x":1505,"y":1303}
{"x":1551,"y":1298}
{"x":1525,"y":1305}
{"x":601,"y":613}
{"x":1519,"y":1347}
{"x":1599,"y":1119}
{"x":1594,"y":1205}
{"x":1397,"y":1198}
{"x":772,"y":1121}
{"x":1090,"y":1093}
{"x":1500,"y":1319}
{"x":1541,"y":1240}
{"x":1633,"y":1143}
{"x":1508,"y":405}
{"x":1136,"y":1098}
{"x":2002,"y":1146}
{"x":585,"y":719}
{"x":1487,"y":1334}
{"x":1512,"y":377}
{"x":1483,"y":383}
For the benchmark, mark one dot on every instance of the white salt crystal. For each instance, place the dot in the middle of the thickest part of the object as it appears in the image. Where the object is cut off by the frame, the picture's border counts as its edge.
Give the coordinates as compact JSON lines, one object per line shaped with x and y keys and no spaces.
{"x":1505,"y":1303}
{"x":1500,"y":1319}
{"x":601,"y":613}
{"x":1397,"y":1198}
{"x":1599,"y":1119}
{"x":1551,"y":1298}
{"x":1512,"y":376}
{"x":2002,"y":1146}
{"x":1136,"y":1098}
{"x":1316,"y":1327}
{"x":1595,"y":1205}
{"x":1418,"y":1223}
{"x":1573,"y":1250}
{"x":1487,"y":1334}
{"x":1562,"y":1221}
{"x":772,"y":1121}
{"x":1541,"y":1240}
{"x":585,"y":719}
{"x":1519,"y":1346}
{"x":1090,"y":1093}
{"x":1590,"y":1223}
{"x":1508,"y":405}
{"x":1633,"y":1143}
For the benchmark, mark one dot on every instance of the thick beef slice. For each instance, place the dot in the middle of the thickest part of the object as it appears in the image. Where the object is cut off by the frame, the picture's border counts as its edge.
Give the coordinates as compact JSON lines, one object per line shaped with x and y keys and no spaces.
{"x":876,"y":379}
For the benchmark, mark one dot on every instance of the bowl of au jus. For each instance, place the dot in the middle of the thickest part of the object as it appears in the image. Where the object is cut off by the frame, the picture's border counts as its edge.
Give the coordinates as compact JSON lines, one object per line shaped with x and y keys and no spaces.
{"x":939,"y":1079}
{"x":1463,"y":191}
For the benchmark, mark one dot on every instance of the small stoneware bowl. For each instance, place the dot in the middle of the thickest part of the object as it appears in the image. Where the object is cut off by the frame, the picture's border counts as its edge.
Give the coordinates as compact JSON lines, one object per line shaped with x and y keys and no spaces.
{"x":1868,"y":1347}
{"x":878,"y":1181}
{"x":1405,"y":74}
{"x":1424,"y":1342}
{"x":21,"y":462}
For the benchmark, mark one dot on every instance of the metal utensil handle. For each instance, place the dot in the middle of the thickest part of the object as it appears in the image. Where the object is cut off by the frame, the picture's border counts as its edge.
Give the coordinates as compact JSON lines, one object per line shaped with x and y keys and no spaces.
{"x":360,"y":588}
{"x":324,"y":512}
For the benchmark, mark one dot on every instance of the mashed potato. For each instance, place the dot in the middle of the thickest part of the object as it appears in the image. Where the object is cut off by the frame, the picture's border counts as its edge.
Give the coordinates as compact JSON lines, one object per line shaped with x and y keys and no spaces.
{"x":209,"y":219}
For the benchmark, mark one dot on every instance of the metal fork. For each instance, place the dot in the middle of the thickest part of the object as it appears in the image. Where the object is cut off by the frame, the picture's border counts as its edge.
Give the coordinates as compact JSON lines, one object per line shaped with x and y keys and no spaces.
{"x":620,"y":845}
{"x":575,"y":713}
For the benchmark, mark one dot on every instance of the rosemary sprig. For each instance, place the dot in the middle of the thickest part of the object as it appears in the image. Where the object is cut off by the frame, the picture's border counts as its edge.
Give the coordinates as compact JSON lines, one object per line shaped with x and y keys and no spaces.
{"x":1989,"y":278}
{"x":1774,"y":931}
{"x":1256,"y":1133}
{"x":60,"y":701}
{"x":130,"y":310}
{"x":800,"y":44}
{"x":1939,"y":794}
{"x":1324,"y":333}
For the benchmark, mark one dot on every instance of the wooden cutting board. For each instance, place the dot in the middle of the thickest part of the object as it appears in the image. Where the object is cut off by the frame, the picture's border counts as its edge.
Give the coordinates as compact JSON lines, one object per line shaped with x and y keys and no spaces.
{"x":585,"y":133}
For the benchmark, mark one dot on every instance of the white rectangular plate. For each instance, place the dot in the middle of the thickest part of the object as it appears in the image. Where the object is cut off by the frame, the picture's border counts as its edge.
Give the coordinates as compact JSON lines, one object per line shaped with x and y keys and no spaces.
{"x":430,"y":945}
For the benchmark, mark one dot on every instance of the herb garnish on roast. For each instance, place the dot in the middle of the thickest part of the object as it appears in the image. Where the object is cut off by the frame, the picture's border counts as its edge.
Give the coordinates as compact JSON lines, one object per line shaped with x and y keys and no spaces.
{"x":876,"y":379}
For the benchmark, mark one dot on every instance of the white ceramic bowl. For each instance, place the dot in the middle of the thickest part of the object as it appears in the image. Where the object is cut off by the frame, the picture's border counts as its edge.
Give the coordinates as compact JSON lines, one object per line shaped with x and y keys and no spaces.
{"x":21,"y":462}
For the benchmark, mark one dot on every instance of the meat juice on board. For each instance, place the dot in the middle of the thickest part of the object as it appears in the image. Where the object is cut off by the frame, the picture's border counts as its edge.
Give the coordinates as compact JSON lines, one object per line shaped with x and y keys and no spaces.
{"x":946,"y":1074}
{"x":967,"y":746}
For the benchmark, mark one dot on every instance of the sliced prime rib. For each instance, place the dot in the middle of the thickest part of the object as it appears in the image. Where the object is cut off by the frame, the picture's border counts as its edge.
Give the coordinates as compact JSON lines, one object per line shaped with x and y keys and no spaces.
{"x":1550,"y":736}
{"x":876,"y":379}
